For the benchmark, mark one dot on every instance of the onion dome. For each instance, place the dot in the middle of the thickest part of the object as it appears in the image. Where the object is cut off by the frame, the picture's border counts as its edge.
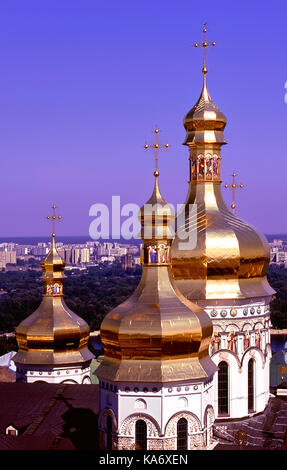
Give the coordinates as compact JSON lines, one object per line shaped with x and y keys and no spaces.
{"x":215,"y":255}
{"x":53,"y":334}
{"x":204,"y":123}
{"x":227,"y":258}
{"x":156,"y":334}
{"x":156,"y":216}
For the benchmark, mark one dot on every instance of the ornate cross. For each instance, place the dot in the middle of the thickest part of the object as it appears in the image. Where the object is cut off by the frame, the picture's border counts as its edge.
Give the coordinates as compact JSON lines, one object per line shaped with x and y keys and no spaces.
{"x":233,"y":186}
{"x":156,"y":146}
{"x":53,"y":219}
{"x":204,"y":45}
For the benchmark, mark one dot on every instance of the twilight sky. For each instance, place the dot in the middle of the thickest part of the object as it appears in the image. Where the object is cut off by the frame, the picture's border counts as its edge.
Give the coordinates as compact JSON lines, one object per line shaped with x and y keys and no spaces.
{"x":83,"y":83}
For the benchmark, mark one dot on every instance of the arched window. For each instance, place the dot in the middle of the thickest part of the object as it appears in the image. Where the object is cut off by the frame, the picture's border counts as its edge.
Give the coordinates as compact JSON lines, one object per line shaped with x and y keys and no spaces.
{"x":141,"y":435}
{"x":182,"y":434}
{"x":109,"y":433}
{"x":250,"y":385}
{"x":223,"y":395}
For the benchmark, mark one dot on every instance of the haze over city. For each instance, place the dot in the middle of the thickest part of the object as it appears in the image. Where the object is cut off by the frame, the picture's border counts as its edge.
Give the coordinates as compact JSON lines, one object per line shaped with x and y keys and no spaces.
{"x":83,"y":84}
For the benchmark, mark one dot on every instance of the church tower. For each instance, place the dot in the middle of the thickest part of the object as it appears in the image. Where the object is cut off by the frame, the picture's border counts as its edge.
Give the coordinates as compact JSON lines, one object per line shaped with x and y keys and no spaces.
{"x":225,"y":269}
{"x":53,"y":341}
{"x":156,"y":378}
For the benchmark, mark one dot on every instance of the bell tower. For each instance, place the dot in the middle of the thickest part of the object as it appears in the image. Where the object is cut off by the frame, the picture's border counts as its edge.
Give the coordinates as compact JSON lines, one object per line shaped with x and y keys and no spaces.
{"x":225,"y":271}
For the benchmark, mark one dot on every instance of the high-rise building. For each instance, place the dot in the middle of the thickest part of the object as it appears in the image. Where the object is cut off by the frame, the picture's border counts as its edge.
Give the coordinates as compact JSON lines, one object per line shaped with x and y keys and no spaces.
{"x":85,"y":255}
{"x":68,"y":255}
{"x":75,"y":255}
{"x":7,"y":257}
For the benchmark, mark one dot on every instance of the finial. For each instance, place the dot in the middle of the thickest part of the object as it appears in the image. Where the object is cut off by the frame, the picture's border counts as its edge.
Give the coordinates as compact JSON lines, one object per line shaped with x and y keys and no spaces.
{"x":156,"y":146}
{"x":54,"y":218}
{"x":204,"y":45}
{"x":233,"y":186}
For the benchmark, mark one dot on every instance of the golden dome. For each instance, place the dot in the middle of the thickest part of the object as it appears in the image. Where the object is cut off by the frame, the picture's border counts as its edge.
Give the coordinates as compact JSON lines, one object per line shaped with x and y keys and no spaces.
{"x":156,"y":334}
{"x":204,"y":123}
{"x":53,"y":334}
{"x":156,"y":215}
{"x":227,"y":258}
{"x":53,"y":265}
{"x":223,"y":257}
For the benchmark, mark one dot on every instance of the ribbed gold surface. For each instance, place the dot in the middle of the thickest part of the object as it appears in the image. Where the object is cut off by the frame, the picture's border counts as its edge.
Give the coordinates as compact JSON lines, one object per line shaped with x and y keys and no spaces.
{"x":204,"y":123}
{"x":53,"y":334}
{"x":156,"y":334}
{"x":230,"y":258}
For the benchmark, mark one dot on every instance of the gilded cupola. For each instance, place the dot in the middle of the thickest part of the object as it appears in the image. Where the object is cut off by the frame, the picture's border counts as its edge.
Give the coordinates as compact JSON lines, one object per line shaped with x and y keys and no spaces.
{"x":156,"y":334}
{"x":53,"y":334}
{"x":204,"y":123}
{"x":222,"y":257}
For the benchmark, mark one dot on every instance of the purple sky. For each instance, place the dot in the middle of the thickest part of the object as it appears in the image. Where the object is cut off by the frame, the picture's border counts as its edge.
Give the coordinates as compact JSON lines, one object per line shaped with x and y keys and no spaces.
{"x":83,"y":83}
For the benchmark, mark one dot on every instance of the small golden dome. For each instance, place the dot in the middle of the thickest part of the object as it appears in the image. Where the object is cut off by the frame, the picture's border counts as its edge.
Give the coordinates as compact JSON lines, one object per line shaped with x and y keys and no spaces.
{"x":53,"y":265}
{"x":204,"y":123}
{"x":156,"y":215}
{"x":53,"y":334}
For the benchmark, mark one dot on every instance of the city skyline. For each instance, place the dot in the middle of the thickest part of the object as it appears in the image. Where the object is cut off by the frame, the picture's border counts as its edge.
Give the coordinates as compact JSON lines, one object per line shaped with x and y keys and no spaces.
{"x":82,"y":87}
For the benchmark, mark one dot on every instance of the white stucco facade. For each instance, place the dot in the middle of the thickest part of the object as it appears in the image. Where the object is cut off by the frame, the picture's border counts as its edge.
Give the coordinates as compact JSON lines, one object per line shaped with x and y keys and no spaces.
{"x":161,"y":406}
{"x":240,"y":334}
{"x":70,"y":374}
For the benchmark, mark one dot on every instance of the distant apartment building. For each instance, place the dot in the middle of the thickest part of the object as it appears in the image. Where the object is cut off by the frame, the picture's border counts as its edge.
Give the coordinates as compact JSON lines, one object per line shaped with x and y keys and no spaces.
{"x":68,"y":255}
{"x":22,"y":250}
{"x":278,"y":253}
{"x":39,"y":251}
{"x":7,"y":257}
{"x":75,"y":256}
{"x":85,"y":255}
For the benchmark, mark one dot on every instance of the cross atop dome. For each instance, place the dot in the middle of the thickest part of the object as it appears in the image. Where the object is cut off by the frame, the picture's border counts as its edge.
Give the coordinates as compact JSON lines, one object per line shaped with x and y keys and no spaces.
{"x":156,"y":146}
{"x":53,"y":219}
{"x":204,"y":46}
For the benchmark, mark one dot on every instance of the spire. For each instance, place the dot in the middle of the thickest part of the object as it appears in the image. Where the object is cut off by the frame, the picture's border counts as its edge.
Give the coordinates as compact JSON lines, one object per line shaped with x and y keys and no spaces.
{"x":53,"y":265}
{"x":156,"y":217}
{"x":204,"y":123}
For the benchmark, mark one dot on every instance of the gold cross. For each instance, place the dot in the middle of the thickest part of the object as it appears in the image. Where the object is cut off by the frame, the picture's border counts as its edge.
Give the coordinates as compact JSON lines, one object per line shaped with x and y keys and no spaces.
{"x":233,"y":186}
{"x":54,"y":218}
{"x":156,"y":146}
{"x":204,"y":45}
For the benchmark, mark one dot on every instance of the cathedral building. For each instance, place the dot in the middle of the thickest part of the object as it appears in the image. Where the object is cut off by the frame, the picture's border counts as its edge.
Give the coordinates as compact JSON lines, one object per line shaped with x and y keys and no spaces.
{"x":53,"y":341}
{"x":156,"y":378}
{"x":223,"y":270}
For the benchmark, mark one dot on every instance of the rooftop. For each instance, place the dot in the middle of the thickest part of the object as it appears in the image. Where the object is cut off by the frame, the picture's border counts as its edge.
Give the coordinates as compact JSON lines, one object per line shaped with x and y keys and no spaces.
{"x":49,"y":416}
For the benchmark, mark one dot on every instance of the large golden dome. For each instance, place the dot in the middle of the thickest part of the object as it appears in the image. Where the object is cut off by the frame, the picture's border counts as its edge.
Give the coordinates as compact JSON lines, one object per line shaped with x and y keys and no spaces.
{"x":225,"y":258}
{"x":228,"y":258}
{"x":53,"y":334}
{"x":157,"y":334}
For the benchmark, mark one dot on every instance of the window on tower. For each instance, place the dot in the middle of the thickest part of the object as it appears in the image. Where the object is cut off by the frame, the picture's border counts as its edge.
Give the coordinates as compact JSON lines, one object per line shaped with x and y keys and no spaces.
{"x":200,"y":167}
{"x":208,"y":163}
{"x":215,"y":167}
{"x":250,"y":385}
{"x":141,"y":435}
{"x":109,"y":425}
{"x":182,"y":434}
{"x":223,"y":395}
